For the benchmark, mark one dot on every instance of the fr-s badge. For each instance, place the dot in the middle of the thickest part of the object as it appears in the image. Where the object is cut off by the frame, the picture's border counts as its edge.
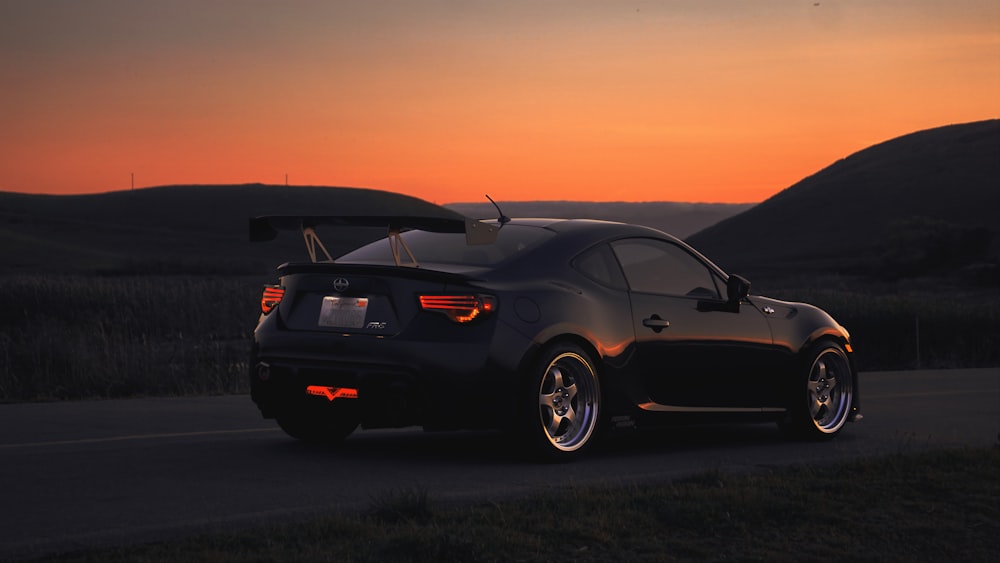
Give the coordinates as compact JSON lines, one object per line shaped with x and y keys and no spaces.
{"x":376,"y":325}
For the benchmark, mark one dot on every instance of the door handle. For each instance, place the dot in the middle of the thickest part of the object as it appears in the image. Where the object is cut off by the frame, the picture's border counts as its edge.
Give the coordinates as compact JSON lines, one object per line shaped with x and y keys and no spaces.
{"x":656,"y":323}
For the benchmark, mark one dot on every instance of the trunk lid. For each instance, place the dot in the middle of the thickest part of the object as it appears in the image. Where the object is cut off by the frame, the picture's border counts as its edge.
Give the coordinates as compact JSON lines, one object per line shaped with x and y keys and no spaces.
{"x":357,"y":299}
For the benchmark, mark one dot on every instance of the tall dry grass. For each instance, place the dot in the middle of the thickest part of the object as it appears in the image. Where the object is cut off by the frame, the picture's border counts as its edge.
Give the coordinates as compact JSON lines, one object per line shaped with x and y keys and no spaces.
{"x":71,"y":337}
{"x":79,"y":337}
{"x":916,"y":328}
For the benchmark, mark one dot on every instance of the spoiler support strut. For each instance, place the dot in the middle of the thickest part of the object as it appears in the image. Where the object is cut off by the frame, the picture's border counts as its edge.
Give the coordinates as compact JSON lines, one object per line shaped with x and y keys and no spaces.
{"x":441,"y":221}
{"x":396,"y":243}
{"x":312,"y":241}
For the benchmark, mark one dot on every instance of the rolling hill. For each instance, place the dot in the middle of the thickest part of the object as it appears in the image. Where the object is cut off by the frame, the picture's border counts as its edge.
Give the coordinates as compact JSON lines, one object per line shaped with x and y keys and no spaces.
{"x":172,"y":229}
{"x":203,"y":229}
{"x":923,"y":203}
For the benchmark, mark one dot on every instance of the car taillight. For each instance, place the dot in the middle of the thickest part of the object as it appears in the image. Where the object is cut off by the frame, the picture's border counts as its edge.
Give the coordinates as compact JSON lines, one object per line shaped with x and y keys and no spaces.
{"x":459,"y":308}
{"x":271,"y":297}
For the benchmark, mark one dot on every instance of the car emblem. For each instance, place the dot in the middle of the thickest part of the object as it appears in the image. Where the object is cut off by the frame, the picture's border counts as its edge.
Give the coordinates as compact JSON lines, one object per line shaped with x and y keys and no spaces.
{"x":341,"y":284}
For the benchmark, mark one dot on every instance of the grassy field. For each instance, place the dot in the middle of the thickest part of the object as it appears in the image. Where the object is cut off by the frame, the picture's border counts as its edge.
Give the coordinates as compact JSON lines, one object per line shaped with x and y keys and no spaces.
{"x":71,"y":337}
{"x":909,"y":327}
{"x":77,"y":337}
{"x":938,"y":506}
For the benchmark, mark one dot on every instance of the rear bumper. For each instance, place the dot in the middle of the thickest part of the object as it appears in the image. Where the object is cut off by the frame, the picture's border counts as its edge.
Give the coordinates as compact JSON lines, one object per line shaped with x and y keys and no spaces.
{"x":399,"y":383}
{"x":389,"y":396}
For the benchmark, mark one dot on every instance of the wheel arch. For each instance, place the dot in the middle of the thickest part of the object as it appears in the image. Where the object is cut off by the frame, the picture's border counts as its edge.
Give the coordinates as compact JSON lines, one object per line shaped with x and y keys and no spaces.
{"x":542,"y":346}
{"x":569,"y":338}
{"x":828,"y":335}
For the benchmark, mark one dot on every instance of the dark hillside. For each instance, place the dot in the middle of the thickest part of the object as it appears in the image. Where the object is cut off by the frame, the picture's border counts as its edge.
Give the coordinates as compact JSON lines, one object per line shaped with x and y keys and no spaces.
{"x":203,"y":229}
{"x":174,"y":229}
{"x":922,"y":203}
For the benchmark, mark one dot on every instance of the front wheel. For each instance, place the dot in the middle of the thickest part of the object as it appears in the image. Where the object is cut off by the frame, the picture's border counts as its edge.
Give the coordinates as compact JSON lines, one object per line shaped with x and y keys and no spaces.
{"x":823,"y":407}
{"x":561,"y":404}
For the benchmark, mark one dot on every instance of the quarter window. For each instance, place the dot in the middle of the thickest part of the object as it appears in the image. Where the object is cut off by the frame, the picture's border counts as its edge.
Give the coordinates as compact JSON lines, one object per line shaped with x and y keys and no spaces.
{"x":600,"y":265}
{"x":656,"y":266}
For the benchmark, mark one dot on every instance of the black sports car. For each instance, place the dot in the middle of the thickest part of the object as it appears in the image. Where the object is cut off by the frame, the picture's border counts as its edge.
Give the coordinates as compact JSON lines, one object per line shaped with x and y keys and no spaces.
{"x":555,"y":330}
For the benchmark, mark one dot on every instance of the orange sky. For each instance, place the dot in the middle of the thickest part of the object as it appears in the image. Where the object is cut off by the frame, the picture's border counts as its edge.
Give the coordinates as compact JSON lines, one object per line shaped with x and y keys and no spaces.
{"x":685,"y":100}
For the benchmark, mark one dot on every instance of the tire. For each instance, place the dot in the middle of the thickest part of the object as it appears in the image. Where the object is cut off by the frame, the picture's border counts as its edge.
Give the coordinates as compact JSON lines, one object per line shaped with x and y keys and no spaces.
{"x":326,"y":425}
{"x":821,"y":409}
{"x":561,"y":403}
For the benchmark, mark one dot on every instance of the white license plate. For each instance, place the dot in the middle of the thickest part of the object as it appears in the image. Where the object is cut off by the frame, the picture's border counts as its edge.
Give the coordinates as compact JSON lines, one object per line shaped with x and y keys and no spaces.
{"x":343,"y":312}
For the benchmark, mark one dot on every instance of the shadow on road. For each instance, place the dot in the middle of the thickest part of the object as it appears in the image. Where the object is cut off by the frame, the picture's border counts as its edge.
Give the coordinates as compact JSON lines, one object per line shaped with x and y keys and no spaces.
{"x":492,"y":448}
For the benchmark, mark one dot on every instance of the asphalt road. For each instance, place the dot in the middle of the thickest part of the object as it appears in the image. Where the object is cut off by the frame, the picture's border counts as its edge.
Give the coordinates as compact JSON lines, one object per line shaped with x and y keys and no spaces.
{"x":83,"y":474}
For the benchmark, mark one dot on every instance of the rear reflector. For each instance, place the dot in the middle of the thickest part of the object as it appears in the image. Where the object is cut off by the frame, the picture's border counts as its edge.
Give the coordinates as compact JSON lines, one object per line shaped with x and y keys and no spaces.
{"x":332,"y":393}
{"x":271,"y":297}
{"x":459,"y":308}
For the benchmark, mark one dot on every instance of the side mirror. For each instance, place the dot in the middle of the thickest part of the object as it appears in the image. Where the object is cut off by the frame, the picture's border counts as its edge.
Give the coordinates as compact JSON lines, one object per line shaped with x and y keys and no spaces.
{"x":737,"y":289}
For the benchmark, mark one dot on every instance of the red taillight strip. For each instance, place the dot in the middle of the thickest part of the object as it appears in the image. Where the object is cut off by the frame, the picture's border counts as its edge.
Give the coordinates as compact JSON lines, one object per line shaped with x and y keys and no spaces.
{"x":271,"y":297}
{"x":459,"y":308}
{"x":448,"y":301}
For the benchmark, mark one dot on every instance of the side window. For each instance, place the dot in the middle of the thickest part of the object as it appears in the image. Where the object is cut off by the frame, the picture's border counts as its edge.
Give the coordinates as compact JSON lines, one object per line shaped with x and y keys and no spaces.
{"x":656,"y":266}
{"x":600,"y":265}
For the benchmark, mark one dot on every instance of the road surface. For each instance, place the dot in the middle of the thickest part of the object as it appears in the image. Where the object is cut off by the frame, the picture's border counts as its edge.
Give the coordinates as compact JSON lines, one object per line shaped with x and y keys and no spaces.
{"x":83,"y":474}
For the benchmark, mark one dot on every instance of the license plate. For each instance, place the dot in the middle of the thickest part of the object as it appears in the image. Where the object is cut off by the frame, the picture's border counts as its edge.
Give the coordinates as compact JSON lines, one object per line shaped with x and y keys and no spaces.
{"x":343,"y":312}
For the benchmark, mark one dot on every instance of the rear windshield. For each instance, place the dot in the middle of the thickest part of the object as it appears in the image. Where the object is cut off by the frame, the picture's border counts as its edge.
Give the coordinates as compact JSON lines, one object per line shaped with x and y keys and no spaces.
{"x":451,"y":248}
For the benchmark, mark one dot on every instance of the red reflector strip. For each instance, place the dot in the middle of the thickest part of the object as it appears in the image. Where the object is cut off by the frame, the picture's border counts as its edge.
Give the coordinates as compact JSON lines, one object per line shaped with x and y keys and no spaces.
{"x":332,"y":393}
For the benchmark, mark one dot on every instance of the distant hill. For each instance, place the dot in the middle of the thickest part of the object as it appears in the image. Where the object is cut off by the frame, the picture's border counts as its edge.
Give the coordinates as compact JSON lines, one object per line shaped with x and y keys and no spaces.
{"x":171,"y":229}
{"x":923,"y":203}
{"x":678,"y":219}
{"x":203,"y":229}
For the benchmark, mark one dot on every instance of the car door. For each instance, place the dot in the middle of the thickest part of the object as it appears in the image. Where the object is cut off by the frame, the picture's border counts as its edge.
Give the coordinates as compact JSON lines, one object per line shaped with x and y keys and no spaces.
{"x":695,"y":350}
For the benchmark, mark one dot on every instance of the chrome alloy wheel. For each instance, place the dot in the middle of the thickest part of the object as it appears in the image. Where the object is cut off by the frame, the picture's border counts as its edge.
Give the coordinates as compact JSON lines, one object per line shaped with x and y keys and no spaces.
{"x":568,"y":401}
{"x":830,"y":389}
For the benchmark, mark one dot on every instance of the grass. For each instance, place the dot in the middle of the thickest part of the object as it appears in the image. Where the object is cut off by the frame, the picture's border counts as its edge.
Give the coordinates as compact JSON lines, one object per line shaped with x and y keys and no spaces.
{"x":74,"y":337}
{"x":911,"y":327}
{"x":932,"y":506}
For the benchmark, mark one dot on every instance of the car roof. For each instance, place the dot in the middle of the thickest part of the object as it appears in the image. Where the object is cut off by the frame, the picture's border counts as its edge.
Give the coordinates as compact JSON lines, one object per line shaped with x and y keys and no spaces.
{"x":596,"y":227}
{"x":585,"y":232}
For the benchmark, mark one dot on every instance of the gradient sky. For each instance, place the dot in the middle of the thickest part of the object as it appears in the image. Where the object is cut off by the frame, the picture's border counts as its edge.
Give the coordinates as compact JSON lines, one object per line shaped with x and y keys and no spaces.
{"x":688,"y":100}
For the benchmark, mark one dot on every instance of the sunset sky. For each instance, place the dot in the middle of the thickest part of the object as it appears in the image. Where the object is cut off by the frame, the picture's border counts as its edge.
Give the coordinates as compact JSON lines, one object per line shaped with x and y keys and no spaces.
{"x":687,"y":100}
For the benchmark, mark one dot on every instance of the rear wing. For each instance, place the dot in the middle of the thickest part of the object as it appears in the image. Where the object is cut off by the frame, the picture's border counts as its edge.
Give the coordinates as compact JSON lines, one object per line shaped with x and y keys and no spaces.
{"x":439,"y":220}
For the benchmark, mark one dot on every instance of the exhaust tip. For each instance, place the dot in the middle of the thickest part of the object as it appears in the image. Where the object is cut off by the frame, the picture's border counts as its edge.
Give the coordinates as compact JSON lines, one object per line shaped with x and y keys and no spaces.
{"x":263,"y":371}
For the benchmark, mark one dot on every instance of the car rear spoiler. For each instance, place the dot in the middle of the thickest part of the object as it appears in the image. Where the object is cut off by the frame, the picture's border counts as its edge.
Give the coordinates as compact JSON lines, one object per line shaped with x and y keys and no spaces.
{"x":439,"y":220}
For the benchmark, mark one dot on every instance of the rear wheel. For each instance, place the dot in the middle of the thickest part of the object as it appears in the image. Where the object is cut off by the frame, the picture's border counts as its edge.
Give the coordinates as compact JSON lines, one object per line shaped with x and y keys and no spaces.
{"x":320,"y":424}
{"x":561,"y":404}
{"x":824,"y":406}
